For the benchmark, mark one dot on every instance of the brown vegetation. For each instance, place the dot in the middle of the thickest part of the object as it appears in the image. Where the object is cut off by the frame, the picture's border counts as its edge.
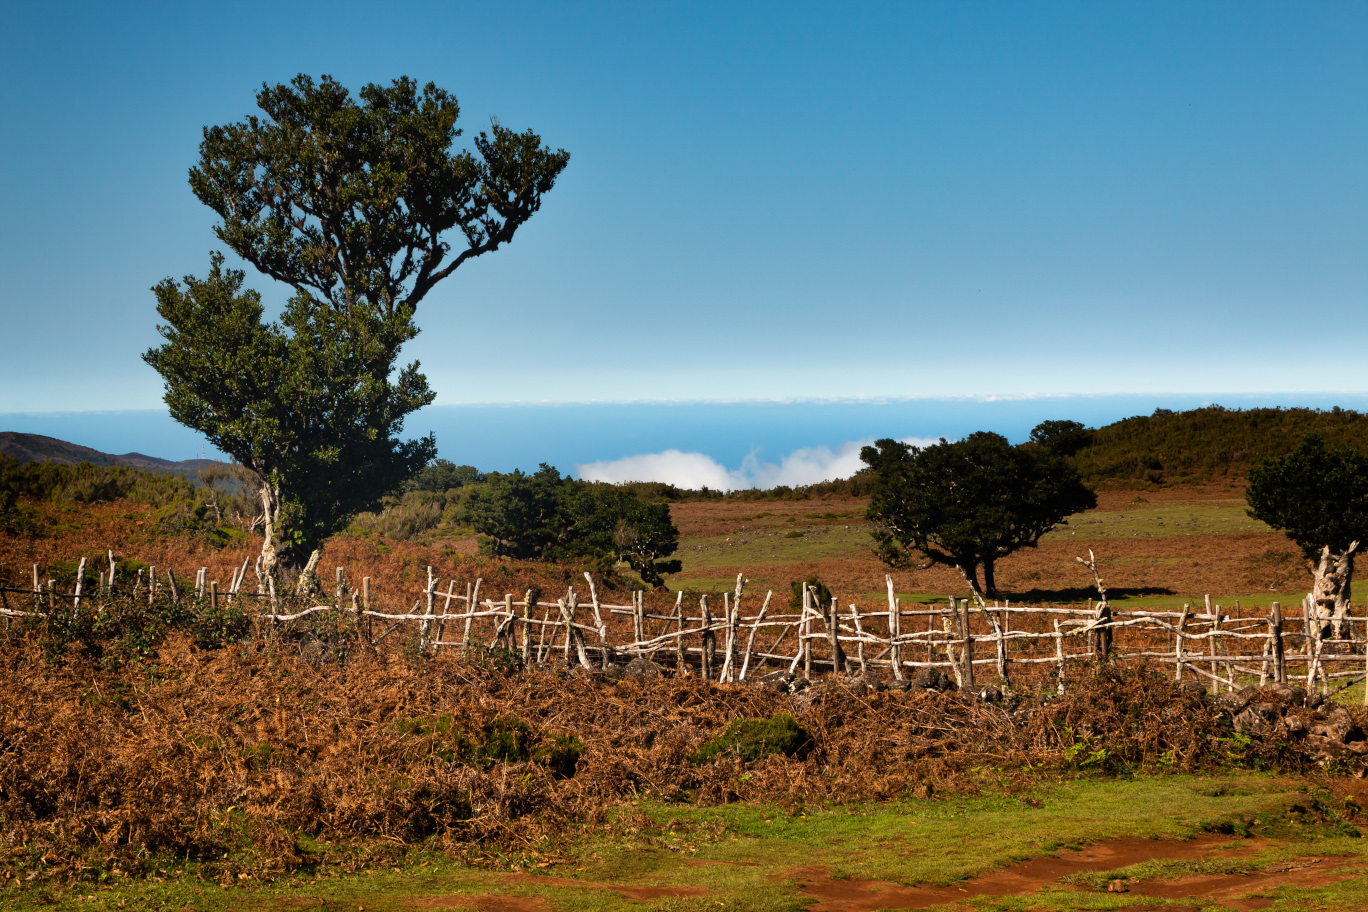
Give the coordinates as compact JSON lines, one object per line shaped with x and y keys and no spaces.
{"x":252,"y":759}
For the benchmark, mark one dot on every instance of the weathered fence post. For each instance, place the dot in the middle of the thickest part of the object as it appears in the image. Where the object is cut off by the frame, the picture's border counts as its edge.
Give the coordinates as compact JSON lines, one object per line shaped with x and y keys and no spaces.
{"x":750,"y":641}
{"x":1059,"y":657}
{"x":894,"y":629}
{"x":859,"y":641}
{"x":1215,"y":645}
{"x":968,"y":654}
{"x":598,"y":621}
{"x":707,"y":648}
{"x":1275,"y":633}
{"x":80,"y":579}
{"x":805,"y":632}
{"x":213,"y":596}
{"x":426,"y":625}
{"x":679,"y":632}
{"x":365,"y":608}
{"x":834,"y":636}
{"x":1178,"y":644}
{"x":527,"y":627}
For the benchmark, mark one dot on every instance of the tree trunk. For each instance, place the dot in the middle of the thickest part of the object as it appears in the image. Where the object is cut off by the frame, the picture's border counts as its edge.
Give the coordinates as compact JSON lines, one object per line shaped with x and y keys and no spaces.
{"x":989,"y":581}
{"x":270,"y":509}
{"x":1331,"y":589}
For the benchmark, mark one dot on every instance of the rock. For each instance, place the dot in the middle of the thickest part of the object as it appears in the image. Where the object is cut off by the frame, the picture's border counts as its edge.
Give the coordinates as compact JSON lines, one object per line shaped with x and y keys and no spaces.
{"x":774,"y":681}
{"x":1287,"y":693}
{"x":1232,"y":703}
{"x":1118,"y":886}
{"x":1323,"y":749}
{"x":1335,"y":724}
{"x":990,"y":693}
{"x":866,"y":680}
{"x":1258,"y":717}
{"x":927,"y":678}
{"x":1194,"y":690}
{"x":612,"y":671}
{"x":1295,"y":726}
{"x":642,"y":667}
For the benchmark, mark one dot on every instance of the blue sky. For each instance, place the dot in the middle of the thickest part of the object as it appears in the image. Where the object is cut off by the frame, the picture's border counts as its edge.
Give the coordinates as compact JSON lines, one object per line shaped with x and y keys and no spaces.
{"x":764,"y":201}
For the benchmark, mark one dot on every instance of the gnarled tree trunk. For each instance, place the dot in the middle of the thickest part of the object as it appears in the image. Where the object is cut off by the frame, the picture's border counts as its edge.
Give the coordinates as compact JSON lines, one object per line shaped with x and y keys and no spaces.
{"x":1331,"y":589}
{"x":270,"y":510}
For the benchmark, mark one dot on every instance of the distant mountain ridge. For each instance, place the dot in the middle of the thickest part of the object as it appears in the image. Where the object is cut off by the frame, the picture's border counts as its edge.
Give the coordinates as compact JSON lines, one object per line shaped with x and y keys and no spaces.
{"x":37,"y":448}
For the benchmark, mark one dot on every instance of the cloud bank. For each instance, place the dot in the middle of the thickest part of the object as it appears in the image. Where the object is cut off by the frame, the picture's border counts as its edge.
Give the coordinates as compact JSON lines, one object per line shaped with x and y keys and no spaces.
{"x":698,"y":470}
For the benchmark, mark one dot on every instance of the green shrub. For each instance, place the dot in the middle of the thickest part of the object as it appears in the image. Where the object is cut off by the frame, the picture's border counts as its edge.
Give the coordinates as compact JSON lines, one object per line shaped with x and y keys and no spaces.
{"x":560,"y":753}
{"x":506,"y":739}
{"x":751,"y":739}
{"x":821,"y":598}
{"x":418,"y":512}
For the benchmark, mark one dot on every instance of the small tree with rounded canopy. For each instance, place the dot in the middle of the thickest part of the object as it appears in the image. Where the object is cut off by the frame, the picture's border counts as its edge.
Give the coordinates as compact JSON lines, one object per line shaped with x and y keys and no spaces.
{"x":1319,"y":498}
{"x":970,"y":503}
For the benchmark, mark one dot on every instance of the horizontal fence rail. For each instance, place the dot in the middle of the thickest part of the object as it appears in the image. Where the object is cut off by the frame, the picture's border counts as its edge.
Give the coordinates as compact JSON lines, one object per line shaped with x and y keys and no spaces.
{"x":972,"y":642}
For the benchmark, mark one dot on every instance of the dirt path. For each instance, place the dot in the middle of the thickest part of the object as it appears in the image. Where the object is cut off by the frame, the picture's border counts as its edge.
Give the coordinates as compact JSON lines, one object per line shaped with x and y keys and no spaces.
{"x":1237,"y":892}
{"x":855,"y":895}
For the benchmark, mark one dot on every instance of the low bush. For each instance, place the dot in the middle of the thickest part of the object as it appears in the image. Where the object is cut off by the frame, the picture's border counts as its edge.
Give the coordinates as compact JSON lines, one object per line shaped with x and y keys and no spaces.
{"x":750,"y":739}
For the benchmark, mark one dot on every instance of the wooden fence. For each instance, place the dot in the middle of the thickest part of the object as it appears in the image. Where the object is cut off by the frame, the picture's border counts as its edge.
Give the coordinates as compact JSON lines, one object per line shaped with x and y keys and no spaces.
{"x":972,"y":641}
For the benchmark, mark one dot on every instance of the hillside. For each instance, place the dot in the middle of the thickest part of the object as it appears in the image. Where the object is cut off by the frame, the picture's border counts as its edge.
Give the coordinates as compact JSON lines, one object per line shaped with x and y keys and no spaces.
{"x":37,"y":448}
{"x":1209,"y":444}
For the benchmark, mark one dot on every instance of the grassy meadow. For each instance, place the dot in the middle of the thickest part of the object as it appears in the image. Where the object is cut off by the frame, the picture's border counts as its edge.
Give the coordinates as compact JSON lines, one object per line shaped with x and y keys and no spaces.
{"x":1238,"y":841}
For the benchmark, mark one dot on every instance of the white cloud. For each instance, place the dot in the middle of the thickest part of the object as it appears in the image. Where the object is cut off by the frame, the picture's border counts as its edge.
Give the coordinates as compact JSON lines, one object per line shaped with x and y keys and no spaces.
{"x":698,"y":470}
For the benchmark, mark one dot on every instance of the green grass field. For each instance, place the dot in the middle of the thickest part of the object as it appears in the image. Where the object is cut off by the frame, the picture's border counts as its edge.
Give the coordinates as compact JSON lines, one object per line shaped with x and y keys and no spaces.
{"x":1164,"y":519}
{"x":754,"y":857}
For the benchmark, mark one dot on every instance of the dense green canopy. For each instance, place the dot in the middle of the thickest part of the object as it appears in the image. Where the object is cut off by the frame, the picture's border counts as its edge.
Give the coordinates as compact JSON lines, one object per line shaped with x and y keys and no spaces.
{"x":1318,"y":496}
{"x":969,"y":503}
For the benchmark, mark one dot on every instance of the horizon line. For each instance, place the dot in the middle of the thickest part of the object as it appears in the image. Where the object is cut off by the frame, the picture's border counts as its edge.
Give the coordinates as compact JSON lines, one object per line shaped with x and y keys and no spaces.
{"x":805,"y":400}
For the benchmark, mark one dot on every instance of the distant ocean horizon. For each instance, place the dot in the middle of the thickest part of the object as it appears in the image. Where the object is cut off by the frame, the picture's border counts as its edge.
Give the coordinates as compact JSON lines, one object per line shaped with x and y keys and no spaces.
{"x":720,"y":444}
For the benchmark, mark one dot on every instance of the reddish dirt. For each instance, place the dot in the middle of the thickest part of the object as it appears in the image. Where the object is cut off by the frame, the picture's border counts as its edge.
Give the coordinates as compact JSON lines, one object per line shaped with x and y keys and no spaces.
{"x":856,"y":895}
{"x":1233,"y":891}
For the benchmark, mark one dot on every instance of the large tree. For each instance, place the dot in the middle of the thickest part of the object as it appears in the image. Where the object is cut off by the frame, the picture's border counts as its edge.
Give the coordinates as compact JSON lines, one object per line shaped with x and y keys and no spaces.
{"x":353,"y":205}
{"x":1319,"y":498}
{"x":969,"y":503}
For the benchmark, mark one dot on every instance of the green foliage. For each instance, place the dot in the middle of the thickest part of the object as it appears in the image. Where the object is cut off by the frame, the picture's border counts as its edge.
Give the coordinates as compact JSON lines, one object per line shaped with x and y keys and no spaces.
{"x":1062,"y":438}
{"x":87,"y":483}
{"x":258,"y":390}
{"x":349,"y":200}
{"x":968,"y":503}
{"x":347,"y":203}
{"x":418,"y":512}
{"x":545,"y":516}
{"x":502,"y":739}
{"x":1210,"y":443}
{"x":752,"y":739}
{"x":1318,"y":496}
{"x":822,"y":595}
{"x":441,"y":475}
{"x":126,"y":629}
{"x":560,"y":753}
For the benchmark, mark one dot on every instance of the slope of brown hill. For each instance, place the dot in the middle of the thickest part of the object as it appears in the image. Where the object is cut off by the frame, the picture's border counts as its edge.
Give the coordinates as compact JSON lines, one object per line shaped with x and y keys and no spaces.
{"x":38,"y":448}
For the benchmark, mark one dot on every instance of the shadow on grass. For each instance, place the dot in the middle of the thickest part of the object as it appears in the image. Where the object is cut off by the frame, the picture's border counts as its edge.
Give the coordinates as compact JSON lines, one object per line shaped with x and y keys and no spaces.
{"x":1078,"y":594}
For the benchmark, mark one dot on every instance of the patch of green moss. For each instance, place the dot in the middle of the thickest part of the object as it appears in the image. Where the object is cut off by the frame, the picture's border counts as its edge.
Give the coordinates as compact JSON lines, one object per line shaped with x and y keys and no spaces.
{"x":751,"y":739}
